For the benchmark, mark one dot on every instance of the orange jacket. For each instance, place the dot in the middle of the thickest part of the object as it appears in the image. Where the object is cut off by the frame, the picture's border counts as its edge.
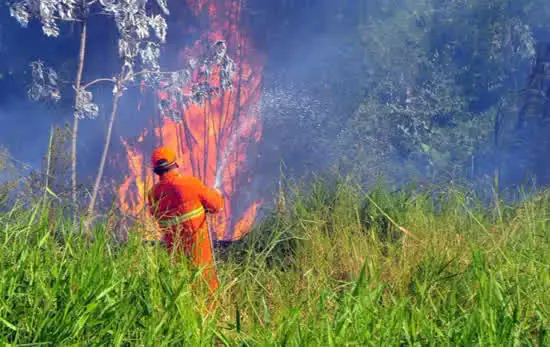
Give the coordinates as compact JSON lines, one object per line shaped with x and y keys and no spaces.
{"x":179,"y":203}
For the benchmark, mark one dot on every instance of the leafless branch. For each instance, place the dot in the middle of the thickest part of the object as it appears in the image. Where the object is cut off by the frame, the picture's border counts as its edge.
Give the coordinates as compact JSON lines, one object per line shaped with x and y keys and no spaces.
{"x":157,"y":73}
{"x":68,"y":19}
{"x":99,"y":80}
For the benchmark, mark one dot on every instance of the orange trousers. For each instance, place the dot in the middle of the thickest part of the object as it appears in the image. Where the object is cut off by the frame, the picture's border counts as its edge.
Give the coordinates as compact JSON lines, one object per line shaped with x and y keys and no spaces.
{"x":197,"y":247}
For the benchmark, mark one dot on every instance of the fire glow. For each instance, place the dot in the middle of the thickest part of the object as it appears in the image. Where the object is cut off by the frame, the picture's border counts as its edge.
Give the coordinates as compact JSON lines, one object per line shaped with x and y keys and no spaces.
{"x":207,"y":132}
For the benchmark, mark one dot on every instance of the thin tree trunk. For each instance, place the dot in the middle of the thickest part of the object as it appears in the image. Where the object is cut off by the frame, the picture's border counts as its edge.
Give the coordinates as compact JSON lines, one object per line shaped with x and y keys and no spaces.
{"x":91,"y":206}
{"x":78,"y":80}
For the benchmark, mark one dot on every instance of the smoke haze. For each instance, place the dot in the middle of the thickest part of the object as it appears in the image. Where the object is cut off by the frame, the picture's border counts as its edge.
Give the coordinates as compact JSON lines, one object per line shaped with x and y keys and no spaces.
{"x":314,"y":70}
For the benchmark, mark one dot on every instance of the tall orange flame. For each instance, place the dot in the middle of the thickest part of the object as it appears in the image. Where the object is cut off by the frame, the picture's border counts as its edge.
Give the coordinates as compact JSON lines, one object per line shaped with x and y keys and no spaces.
{"x":221,"y":128}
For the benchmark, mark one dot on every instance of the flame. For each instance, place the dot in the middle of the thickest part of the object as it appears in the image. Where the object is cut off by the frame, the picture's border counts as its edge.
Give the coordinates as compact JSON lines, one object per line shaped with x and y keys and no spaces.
{"x":208,"y":132}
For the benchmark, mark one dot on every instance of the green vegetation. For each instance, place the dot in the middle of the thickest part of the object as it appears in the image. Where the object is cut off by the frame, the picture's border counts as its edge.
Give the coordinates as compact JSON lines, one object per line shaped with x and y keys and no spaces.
{"x":424,"y":89}
{"x":7,"y":175}
{"x":326,"y":267}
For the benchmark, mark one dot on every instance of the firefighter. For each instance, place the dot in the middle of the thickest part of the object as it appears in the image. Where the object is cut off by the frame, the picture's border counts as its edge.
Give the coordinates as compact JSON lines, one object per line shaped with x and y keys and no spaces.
{"x":180,"y":203}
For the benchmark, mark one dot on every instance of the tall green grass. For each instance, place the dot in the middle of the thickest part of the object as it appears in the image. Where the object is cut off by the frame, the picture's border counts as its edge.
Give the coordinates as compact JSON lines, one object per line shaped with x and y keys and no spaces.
{"x":329,"y":266}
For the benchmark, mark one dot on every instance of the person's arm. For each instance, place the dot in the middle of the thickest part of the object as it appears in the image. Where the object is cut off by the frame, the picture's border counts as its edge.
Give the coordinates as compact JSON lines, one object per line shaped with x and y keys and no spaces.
{"x":211,"y":199}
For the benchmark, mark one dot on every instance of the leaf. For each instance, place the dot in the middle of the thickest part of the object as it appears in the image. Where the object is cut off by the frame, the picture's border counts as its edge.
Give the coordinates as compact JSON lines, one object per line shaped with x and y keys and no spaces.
{"x":20,"y":12}
{"x":49,"y":191}
{"x":44,"y":83}
{"x":150,"y":56}
{"x":267,"y":315}
{"x":164,"y":7}
{"x":159,"y":26}
{"x":8,"y":324}
{"x":84,"y":107}
{"x":238,"y":321}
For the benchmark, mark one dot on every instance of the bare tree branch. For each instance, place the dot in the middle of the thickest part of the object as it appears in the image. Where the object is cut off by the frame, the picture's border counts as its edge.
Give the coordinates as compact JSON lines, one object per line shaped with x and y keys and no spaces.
{"x":98,"y":80}
{"x":68,"y":19}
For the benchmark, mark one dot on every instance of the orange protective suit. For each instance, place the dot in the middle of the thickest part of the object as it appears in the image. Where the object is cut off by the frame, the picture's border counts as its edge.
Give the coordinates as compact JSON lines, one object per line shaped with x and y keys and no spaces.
{"x":179,"y":203}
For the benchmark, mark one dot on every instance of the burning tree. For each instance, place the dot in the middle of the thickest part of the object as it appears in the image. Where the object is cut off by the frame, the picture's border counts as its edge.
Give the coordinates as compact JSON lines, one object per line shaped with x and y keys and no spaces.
{"x":211,"y":135}
{"x":141,"y":33}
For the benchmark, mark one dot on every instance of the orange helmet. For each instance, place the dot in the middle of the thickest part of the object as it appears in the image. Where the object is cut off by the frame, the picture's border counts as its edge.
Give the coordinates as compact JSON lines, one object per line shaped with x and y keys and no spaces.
{"x":163,"y":157}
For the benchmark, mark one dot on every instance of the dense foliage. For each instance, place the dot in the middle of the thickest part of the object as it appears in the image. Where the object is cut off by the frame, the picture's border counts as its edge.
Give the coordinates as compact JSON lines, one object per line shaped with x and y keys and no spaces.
{"x":442,"y":77}
{"x":412,"y":89}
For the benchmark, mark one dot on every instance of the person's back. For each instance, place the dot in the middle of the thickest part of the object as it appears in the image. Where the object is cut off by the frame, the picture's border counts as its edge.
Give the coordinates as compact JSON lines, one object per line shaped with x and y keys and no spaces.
{"x":183,"y":200}
{"x":180,"y":203}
